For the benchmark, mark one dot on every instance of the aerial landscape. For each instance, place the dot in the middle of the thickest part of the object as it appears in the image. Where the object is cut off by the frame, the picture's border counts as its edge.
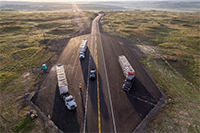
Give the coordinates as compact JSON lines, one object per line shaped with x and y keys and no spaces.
{"x":100,"y":66}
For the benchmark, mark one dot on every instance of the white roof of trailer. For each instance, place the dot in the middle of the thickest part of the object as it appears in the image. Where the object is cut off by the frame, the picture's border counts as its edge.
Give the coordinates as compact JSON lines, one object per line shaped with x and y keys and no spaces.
{"x":63,"y":89}
{"x":84,"y":42}
{"x":125,"y":65}
{"x":61,"y":76}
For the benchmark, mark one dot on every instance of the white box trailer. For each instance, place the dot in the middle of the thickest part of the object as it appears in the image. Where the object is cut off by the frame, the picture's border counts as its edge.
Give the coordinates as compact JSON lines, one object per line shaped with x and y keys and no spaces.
{"x":128,"y":71}
{"x":63,"y":88}
{"x":83,"y":48}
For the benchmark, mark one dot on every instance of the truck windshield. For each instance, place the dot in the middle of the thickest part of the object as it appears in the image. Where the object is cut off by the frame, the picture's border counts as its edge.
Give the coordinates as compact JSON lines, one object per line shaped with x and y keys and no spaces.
{"x":127,"y":84}
{"x":92,"y":72}
{"x":68,"y":100}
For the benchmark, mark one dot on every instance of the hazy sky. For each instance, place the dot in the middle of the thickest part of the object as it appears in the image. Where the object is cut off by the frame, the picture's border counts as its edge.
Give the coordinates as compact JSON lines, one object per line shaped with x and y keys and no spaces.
{"x":88,"y":0}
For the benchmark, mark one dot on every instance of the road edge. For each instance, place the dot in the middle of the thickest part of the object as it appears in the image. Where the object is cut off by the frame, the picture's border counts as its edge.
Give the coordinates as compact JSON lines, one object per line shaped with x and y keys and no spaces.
{"x":161,"y":103}
{"x":47,"y":121}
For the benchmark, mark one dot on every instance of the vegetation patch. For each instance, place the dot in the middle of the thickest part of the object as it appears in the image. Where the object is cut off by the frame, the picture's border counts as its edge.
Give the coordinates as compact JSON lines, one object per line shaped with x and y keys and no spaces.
{"x":61,"y":31}
{"x":25,"y":125}
{"x":2,"y":57}
{"x":6,"y":78}
{"x":6,"y":23}
{"x":22,"y":46}
{"x":48,"y":25}
{"x":25,"y":53}
{"x":11,"y":28}
{"x":5,"y":75}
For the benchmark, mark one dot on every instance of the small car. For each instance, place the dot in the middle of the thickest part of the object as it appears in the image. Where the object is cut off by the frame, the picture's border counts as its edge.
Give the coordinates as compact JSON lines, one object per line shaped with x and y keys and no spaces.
{"x":92,"y":74}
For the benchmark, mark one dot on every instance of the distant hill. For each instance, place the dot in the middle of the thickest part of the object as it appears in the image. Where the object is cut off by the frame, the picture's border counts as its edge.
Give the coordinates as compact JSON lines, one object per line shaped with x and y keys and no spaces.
{"x":179,"y":6}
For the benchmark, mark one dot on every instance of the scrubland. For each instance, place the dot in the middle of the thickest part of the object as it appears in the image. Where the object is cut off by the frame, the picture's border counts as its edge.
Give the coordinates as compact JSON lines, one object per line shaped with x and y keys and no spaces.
{"x":27,"y":40}
{"x":170,"y":42}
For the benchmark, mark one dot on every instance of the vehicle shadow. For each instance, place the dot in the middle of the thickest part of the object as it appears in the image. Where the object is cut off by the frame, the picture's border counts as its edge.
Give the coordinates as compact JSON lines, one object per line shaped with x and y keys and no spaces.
{"x":86,"y":65}
{"x":63,"y":118}
{"x":141,"y":99}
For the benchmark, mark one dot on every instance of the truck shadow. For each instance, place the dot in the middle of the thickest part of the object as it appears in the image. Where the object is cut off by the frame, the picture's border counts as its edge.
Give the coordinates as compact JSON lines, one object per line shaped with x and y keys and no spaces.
{"x":141,"y":99}
{"x":84,"y":66}
{"x":63,"y":118}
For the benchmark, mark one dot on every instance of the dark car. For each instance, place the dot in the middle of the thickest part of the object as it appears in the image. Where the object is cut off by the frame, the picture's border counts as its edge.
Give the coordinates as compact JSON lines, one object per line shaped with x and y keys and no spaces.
{"x":92,"y":74}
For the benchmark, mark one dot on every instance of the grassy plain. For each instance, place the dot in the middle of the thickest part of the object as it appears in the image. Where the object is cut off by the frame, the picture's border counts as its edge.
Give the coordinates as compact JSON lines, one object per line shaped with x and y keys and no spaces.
{"x":173,"y":37}
{"x":22,"y":48}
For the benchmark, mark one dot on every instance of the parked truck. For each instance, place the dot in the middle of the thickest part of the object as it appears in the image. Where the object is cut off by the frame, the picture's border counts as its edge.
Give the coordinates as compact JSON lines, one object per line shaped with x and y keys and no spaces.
{"x":63,"y":88}
{"x":83,"y":48}
{"x":128,"y":71}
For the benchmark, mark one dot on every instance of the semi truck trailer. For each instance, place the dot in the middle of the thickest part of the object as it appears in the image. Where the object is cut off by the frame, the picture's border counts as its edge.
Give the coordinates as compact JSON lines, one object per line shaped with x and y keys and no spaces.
{"x":128,"y":71}
{"x":63,"y":88}
{"x":83,"y":48}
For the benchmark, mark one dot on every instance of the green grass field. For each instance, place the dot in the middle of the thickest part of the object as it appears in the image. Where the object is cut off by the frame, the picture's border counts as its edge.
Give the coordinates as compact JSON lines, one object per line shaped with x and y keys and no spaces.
{"x":175,"y":37}
{"x":22,"y":48}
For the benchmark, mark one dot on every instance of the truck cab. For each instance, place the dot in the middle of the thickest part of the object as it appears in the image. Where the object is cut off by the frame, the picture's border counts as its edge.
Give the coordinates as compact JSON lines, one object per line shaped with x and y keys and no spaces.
{"x":81,"y":55}
{"x":129,"y":81}
{"x":70,"y":102}
{"x":128,"y":84}
{"x":82,"y":49}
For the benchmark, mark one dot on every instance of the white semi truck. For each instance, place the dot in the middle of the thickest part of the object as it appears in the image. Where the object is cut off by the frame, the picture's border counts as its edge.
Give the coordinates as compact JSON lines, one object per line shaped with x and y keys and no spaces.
{"x":128,"y":71}
{"x":63,"y":88}
{"x":83,"y":48}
